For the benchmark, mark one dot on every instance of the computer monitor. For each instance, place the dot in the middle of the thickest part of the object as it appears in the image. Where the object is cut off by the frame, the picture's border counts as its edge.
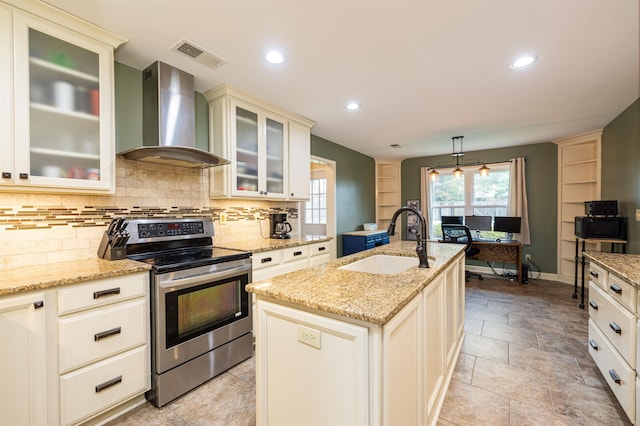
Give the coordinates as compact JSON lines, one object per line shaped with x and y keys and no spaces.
{"x":478,"y":223}
{"x":508,"y":224}
{"x":452,"y":220}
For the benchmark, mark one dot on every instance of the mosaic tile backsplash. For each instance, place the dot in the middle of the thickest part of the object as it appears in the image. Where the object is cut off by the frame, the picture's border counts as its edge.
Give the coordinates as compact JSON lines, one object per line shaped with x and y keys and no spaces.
{"x":43,"y":228}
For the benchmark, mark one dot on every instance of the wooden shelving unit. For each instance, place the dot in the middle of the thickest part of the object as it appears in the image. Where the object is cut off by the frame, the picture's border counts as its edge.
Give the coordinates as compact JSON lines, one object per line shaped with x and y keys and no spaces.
{"x":388,"y":194}
{"x":579,"y":163}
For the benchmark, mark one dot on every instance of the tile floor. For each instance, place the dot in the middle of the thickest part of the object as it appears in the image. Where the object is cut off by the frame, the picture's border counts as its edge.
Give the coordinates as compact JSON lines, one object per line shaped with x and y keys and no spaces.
{"x":524,"y":361}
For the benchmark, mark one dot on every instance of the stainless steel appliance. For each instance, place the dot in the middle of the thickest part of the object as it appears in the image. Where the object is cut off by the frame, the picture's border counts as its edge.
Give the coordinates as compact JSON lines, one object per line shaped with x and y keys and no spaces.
{"x":200,"y":311}
{"x":279,"y":226}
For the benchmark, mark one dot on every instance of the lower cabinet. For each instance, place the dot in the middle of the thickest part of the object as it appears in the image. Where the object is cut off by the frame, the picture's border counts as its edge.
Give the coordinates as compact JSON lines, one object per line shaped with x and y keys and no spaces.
{"x":23,"y":382}
{"x":268,"y":264}
{"x":76,"y":353}
{"x":320,"y":369}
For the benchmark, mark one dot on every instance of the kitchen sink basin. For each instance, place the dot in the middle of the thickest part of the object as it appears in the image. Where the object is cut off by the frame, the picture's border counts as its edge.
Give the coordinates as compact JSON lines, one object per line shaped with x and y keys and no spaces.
{"x":382,"y":264}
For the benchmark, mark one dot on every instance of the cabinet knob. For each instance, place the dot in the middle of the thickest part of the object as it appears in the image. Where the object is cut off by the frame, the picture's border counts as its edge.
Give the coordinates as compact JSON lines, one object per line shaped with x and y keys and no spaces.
{"x":6,"y":175}
{"x":292,"y":194}
{"x":24,"y":175}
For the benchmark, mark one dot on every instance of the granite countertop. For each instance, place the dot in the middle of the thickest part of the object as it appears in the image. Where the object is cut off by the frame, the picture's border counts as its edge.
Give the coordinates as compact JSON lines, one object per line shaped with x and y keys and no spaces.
{"x":258,"y":245}
{"x":368,"y":297}
{"x":44,"y":276}
{"x":365,"y":233}
{"x":625,"y":266}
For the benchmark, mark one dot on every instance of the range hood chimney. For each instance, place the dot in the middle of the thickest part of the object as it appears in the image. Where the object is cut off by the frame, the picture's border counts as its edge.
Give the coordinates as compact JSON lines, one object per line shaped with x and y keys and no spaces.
{"x":168,"y":115}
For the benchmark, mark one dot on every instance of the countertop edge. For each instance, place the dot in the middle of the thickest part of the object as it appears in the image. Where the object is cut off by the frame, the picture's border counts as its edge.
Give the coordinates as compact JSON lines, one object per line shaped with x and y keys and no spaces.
{"x":621,"y":264}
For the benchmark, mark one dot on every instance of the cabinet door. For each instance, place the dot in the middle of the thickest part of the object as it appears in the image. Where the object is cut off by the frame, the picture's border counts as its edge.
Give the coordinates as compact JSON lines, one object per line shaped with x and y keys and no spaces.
{"x":276,"y":156}
{"x":245,"y":132}
{"x":6,"y":98}
{"x":299,"y":161}
{"x":63,"y":108}
{"x":22,"y":351}
{"x":434,"y":348}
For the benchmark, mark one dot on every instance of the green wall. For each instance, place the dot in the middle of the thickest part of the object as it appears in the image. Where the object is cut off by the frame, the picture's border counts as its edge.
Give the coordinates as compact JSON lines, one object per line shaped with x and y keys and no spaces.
{"x":128,"y":110}
{"x":542,"y":192}
{"x":620,"y":171}
{"x":355,"y":186}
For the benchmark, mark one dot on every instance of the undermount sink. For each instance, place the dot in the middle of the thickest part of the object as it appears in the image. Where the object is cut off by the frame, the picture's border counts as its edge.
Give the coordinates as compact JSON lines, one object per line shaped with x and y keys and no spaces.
{"x":382,"y":264}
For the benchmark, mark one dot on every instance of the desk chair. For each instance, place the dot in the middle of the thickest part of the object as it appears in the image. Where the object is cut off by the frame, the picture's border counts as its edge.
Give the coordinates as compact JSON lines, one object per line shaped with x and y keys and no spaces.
{"x":460,"y":234}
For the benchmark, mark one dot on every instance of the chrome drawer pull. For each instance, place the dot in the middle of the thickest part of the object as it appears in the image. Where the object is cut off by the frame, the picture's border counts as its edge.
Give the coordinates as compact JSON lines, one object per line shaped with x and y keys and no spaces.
{"x":615,"y":289}
{"x":108,"y":384}
{"x":614,"y":376}
{"x":615,"y":327}
{"x":107,"y":333}
{"x":593,"y":344}
{"x":594,"y":305}
{"x":109,"y":292}
{"x":39,"y":304}
{"x":265,"y":260}
{"x":297,"y":253}
{"x":593,"y":274}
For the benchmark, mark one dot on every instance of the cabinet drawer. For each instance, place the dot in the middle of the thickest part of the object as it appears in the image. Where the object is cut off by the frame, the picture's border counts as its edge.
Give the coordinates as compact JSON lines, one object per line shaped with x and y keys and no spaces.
{"x":97,"y":334}
{"x":598,"y":275}
{"x":266,"y":258}
{"x":622,"y":292}
{"x":612,"y":366}
{"x":295,"y":253}
{"x":319,"y":260}
{"x":615,"y":322}
{"x":89,"y":390}
{"x":319,"y":249}
{"x":102,"y":292}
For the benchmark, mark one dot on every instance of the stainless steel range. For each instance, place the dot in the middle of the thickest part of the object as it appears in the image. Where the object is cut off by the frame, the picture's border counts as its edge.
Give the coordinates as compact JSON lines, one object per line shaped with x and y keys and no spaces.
{"x":200,"y":311}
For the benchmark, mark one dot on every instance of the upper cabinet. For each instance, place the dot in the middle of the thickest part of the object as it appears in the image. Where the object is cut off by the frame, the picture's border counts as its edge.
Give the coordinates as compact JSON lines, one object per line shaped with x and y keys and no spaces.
{"x":269,"y":148}
{"x":59,"y":135}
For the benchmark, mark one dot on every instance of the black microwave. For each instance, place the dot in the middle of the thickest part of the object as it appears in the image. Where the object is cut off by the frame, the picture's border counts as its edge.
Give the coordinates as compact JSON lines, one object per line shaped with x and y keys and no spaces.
{"x":601,"y":227}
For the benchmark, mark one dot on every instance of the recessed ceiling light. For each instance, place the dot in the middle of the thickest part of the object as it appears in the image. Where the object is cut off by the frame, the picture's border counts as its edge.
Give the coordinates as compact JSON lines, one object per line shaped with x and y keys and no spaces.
{"x":353,"y":105}
{"x":523,"y":61}
{"x":275,"y":57}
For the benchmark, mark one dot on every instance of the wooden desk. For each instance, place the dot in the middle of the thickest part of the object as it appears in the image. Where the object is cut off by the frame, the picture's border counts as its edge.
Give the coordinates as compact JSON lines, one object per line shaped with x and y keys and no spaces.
{"x":580,"y":260}
{"x":504,"y":251}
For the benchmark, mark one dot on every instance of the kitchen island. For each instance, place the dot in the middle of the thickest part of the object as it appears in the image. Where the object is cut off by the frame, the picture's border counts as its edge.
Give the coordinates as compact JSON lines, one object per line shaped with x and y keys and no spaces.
{"x":336,"y":346}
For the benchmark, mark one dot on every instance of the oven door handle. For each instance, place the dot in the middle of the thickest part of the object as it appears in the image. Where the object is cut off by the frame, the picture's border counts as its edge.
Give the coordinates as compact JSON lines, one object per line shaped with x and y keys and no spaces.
{"x":204,"y":278}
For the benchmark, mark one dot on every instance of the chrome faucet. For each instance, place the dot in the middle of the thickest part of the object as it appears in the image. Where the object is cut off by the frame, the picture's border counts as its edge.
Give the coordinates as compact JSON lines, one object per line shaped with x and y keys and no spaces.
{"x":421,"y":237}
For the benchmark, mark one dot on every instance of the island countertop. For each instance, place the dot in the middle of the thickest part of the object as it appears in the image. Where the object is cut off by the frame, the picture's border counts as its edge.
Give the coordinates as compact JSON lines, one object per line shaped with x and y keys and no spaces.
{"x":373,"y":298}
{"x":625,"y":266}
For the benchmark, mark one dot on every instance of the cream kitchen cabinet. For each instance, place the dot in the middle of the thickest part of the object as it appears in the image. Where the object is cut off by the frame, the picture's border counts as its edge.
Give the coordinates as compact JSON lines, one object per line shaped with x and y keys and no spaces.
{"x":261,"y":141}
{"x":103,"y":350}
{"x":613,"y":332}
{"x":268,"y":264}
{"x":58,"y":131}
{"x":319,"y":368}
{"x":23,"y":351}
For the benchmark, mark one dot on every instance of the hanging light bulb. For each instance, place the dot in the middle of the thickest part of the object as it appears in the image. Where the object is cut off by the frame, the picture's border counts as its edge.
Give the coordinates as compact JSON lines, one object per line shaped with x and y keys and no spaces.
{"x":433,"y":174}
{"x":484,"y":170}
{"x":457,"y":172}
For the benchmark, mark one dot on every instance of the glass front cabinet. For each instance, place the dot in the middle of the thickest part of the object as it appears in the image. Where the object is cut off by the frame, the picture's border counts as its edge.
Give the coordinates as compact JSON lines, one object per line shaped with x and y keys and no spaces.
{"x":62,"y":136}
{"x":255,"y":137}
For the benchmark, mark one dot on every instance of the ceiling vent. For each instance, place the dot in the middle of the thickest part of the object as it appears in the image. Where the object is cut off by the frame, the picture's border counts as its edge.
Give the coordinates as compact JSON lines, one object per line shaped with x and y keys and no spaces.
{"x":199,"y":54}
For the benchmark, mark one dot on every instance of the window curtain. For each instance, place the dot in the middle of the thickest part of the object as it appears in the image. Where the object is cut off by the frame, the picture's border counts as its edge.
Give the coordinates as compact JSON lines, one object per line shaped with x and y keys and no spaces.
{"x":425,"y":207}
{"x":518,"y":205}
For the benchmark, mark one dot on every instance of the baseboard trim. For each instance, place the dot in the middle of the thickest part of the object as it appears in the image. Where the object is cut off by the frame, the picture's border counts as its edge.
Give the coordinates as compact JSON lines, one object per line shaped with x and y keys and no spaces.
{"x":486,"y":271}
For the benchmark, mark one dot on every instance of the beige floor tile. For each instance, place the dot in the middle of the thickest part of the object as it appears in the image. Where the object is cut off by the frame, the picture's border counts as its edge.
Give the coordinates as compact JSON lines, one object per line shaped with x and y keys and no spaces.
{"x":510,"y":334}
{"x":555,"y":365}
{"x":512,"y":382}
{"x":464,"y":368}
{"x":469,"y":405}
{"x":523,"y":414}
{"x":486,"y":347}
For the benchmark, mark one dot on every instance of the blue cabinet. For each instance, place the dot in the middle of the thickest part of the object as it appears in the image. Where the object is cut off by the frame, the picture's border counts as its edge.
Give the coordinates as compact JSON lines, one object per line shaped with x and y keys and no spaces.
{"x":353,"y":242}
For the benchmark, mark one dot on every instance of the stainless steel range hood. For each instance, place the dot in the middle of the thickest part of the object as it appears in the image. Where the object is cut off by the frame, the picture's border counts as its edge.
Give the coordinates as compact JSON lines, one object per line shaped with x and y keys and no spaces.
{"x":168,"y":127}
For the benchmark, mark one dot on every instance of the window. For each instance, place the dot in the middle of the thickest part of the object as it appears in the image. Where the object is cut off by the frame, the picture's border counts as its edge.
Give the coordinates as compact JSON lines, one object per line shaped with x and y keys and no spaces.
{"x":316,"y":207}
{"x":469,"y":195}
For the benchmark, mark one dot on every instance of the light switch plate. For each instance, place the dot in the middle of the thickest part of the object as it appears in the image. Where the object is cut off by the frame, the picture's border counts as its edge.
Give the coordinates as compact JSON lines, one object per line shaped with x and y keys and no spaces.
{"x":309,"y":336}
{"x":638,"y":215}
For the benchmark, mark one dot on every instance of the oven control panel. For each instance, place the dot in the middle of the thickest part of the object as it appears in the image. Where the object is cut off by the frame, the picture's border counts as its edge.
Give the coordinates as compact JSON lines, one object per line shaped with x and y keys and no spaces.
{"x":169,"y":229}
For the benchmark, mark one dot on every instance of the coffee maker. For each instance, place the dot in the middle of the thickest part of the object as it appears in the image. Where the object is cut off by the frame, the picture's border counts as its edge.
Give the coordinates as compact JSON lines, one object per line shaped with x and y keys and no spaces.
{"x":280,"y":228}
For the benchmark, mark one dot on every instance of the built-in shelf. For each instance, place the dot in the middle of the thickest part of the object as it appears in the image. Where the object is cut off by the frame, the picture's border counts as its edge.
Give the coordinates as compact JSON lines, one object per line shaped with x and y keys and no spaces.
{"x":387,"y":194}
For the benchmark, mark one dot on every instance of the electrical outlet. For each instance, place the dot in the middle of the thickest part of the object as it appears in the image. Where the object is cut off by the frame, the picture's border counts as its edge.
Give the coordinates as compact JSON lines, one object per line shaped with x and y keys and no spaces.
{"x":527,"y":257}
{"x":256,"y":215}
{"x":638,"y":215}
{"x":309,"y":336}
{"x":223,"y":217}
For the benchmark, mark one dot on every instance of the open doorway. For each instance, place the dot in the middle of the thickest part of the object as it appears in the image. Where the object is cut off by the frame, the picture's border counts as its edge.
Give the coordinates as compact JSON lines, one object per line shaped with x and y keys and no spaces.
{"x":318,"y":215}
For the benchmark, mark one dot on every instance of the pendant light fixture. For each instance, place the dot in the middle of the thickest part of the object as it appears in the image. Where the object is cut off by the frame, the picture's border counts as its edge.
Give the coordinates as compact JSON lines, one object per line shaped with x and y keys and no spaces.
{"x":457,"y":171}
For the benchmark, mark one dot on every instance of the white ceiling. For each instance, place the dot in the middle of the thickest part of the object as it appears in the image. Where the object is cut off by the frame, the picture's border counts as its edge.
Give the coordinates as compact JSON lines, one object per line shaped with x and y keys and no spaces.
{"x":423,"y":70}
